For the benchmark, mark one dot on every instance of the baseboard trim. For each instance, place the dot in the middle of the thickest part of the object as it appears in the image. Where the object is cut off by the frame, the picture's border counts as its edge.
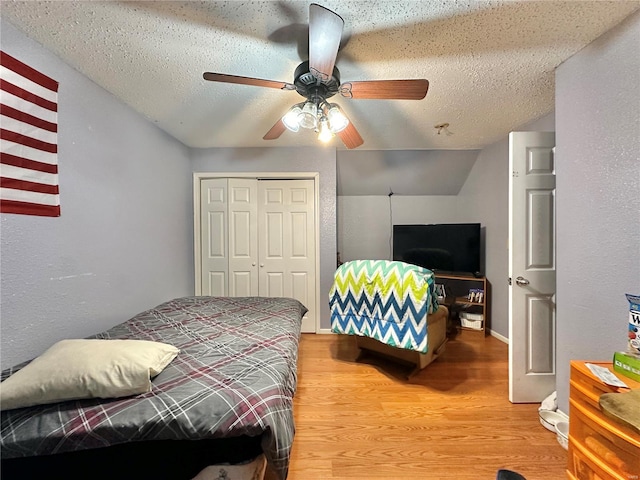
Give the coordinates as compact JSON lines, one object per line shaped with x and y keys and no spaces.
{"x":499,"y":337}
{"x":325,"y":331}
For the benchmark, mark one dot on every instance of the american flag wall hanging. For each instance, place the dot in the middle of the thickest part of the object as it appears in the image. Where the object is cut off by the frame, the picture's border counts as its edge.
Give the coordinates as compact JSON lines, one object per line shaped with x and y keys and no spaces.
{"x":28,"y":140}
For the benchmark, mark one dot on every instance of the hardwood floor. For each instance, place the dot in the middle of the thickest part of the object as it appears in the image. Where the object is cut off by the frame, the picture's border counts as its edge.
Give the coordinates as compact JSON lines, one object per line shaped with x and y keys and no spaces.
{"x":453,"y":420}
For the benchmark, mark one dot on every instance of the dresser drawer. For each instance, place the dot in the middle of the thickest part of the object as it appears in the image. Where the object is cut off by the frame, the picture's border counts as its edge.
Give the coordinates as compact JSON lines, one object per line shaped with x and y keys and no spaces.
{"x":616,"y":447}
{"x":591,"y":386}
{"x":585,"y":394}
{"x":586,"y":468}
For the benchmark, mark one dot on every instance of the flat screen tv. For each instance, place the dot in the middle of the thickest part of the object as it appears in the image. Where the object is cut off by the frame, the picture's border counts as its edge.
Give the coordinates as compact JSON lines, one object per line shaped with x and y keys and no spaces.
{"x":444,"y":247}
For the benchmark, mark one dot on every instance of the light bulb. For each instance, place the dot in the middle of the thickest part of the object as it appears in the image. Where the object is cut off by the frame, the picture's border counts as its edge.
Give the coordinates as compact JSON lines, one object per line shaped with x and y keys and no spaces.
{"x":290,"y":118}
{"x":337,"y":120}
{"x":324,"y":134}
{"x":308,"y":117}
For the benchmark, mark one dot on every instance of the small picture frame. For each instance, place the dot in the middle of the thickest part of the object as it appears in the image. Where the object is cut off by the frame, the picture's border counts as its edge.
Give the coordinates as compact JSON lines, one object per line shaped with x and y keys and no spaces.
{"x":476,"y":295}
{"x":441,"y":292}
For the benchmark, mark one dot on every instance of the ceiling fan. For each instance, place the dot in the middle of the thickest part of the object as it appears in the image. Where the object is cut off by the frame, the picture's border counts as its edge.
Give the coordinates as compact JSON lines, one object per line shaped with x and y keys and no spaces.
{"x":319,"y":79}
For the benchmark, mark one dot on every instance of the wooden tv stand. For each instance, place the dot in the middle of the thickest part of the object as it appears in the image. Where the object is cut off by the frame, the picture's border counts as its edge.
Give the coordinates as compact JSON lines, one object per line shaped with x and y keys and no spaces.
{"x":457,"y":288}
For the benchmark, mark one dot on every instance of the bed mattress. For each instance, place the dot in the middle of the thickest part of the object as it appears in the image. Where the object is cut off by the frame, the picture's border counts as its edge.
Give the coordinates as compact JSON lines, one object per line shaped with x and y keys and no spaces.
{"x":234,"y":378}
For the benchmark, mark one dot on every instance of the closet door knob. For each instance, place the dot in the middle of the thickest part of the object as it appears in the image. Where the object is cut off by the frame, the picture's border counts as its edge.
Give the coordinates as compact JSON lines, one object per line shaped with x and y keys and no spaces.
{"x":522,"y":281}
{"x":261,"y":265}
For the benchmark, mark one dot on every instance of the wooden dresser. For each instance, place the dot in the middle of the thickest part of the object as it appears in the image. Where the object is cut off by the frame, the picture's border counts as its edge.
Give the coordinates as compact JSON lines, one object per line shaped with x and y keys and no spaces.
{"x":600,"y":448}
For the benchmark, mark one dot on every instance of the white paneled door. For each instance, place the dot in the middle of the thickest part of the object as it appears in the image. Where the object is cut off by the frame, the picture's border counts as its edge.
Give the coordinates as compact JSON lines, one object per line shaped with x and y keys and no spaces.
{"x":257,"y":238}
{"x":286,"y":243}
{"x":243,"y":237}
{"x":532,"y":267}
{"x":214,"y":246}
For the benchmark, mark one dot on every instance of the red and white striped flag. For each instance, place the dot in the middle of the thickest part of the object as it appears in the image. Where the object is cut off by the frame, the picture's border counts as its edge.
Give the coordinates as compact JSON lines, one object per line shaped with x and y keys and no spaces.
{"x":28,"y":140}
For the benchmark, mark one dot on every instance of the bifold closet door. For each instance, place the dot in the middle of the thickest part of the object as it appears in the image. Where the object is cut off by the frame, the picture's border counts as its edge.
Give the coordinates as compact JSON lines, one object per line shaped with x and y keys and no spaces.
{"x":257,"y":238}
{"x":286,"y":244}
{"x":214,"y":262}
{"x":243,"y":237}
{"x":229,"y":236}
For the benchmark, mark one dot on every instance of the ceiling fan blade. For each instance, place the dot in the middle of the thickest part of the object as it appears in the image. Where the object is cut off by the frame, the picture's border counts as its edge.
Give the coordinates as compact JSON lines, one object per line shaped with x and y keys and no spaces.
{"x":275,"y":132}
{"x":258,"y":82}
{"x":350,"y":136}
{"x":325,"y":32}
{"x":386,"y":89}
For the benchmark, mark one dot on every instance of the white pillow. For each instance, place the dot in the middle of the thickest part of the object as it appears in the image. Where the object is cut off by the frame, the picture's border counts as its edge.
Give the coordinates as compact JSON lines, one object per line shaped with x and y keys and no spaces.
{"x":86,"y":368}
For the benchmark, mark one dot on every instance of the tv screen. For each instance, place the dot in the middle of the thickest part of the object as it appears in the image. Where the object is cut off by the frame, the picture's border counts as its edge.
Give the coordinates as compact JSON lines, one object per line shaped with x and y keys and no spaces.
{"x":445,"y":247}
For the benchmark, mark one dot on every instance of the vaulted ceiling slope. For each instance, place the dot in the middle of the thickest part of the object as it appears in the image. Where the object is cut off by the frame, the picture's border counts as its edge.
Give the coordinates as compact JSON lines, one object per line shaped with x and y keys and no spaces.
{"x":490,"y":64}
{"x":404,"y":172}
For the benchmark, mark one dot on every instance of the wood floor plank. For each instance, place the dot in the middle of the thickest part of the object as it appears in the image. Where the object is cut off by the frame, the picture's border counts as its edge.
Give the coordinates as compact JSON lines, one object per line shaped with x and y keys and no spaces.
{"x":363,"y":418}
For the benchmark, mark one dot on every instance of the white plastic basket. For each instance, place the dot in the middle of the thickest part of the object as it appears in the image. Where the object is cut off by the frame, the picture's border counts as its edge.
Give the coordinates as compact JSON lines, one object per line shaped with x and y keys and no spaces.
{"x":468,"y":323}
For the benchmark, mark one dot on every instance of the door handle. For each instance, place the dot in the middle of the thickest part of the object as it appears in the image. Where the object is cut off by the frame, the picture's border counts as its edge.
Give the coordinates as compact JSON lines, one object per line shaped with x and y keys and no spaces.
{"x":523,"y":282}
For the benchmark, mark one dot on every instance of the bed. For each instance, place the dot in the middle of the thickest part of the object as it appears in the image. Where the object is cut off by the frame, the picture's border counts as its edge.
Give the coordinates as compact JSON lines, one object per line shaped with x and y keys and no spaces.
{"x":226,"y":398}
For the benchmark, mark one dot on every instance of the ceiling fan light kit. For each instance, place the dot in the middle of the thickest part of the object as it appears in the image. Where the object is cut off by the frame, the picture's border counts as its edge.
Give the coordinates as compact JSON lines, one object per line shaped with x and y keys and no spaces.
{"x":325,"y":118}
{"x":318,"y":79}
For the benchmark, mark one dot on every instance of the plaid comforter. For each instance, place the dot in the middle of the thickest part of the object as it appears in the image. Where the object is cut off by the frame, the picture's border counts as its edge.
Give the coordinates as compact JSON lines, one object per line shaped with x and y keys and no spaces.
{"x":235,"y":375}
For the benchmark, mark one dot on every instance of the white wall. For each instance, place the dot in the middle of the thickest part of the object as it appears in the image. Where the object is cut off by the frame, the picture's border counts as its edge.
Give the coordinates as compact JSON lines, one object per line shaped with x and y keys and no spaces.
{"x":598,"y":201}
{"x":404,"y":172}
{"x":365,"y":222}
{"x":123,"y":242}
{"x":321,"y":160}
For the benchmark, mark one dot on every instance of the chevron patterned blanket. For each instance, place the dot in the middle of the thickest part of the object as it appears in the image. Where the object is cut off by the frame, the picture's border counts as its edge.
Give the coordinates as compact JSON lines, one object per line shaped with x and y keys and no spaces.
{"x":385,"y":300}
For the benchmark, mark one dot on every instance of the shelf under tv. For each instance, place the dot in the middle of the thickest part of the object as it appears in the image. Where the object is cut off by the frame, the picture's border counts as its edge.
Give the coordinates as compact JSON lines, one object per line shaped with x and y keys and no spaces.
{"x":457,"y":287}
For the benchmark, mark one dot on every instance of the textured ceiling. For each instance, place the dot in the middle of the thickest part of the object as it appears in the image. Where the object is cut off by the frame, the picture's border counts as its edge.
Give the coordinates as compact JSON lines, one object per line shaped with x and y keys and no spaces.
{"x":490,"y":64}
